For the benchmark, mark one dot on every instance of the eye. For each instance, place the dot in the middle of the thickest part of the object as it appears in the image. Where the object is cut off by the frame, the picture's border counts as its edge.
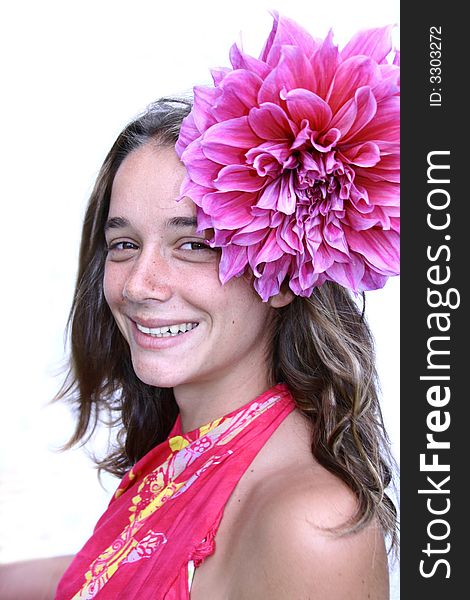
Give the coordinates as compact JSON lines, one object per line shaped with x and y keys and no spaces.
{"x":196,"y":251}
{"x":195,"y":245}
{"x":121,"y":250}
{"x":121,"y":246}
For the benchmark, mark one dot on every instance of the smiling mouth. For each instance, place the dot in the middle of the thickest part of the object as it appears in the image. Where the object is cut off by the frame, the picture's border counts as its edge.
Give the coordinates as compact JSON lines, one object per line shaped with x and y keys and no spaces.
{"x":167,"y":331}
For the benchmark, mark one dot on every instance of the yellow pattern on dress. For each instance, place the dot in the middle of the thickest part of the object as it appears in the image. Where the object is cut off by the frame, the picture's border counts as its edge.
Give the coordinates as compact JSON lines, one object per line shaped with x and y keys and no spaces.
{"x":104,"y":567}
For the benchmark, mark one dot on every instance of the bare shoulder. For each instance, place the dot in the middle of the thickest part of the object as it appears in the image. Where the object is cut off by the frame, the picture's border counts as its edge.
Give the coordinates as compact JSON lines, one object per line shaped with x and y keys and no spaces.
{"x":295,"y":554}
{"x":276,"y":541}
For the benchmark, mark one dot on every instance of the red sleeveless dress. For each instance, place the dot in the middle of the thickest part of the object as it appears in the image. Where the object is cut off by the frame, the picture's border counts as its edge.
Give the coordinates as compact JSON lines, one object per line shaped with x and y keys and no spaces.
{"x":166,"y":510}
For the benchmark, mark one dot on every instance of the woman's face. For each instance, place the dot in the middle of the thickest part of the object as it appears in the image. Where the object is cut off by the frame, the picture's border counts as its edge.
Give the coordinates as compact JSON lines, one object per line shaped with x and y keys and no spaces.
{"x":162,"y":285}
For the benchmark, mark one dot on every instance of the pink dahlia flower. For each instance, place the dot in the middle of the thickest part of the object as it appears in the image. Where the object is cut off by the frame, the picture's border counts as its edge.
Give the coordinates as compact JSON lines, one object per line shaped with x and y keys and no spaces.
{"x":293,"y":161}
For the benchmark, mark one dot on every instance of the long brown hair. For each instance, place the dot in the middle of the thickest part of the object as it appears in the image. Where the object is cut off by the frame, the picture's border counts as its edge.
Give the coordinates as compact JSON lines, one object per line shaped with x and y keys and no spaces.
{"x":322,"y":349}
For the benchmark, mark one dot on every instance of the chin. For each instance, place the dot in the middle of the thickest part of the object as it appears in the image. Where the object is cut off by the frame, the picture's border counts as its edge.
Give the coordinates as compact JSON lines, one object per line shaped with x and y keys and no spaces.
{"x":156,"y":376}
{"x":155,"y":380}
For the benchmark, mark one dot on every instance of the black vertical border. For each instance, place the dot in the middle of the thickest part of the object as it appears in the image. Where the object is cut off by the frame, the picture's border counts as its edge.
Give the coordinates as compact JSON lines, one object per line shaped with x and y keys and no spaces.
{"x":426,"y":128}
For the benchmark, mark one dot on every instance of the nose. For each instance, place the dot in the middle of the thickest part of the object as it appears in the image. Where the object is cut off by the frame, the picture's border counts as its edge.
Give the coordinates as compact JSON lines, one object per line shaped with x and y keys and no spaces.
{"x":149,"y":279}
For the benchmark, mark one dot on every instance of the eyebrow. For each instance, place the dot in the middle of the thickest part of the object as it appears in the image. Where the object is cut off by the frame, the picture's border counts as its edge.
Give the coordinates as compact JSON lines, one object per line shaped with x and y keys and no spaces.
{"x":174,"y":222}
{"x":116,"y":223}
{"x":182,"y":222}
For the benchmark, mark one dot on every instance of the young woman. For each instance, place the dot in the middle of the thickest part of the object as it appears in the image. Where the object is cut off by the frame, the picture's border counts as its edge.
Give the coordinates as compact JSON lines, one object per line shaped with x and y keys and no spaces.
{"x":252,"y":448}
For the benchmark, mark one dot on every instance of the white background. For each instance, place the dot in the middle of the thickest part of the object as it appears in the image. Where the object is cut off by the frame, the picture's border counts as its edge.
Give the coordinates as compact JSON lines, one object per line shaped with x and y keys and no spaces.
{"x":74,"y":74}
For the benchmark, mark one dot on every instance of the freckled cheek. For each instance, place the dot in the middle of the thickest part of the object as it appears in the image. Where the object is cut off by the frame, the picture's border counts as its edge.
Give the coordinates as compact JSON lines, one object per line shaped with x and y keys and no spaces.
{"x":112,"y":289}
{"x":112,"y":285}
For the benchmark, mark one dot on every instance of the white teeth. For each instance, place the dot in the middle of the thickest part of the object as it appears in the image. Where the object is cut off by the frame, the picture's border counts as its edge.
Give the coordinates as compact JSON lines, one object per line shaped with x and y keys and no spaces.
{"x":167,"y":331}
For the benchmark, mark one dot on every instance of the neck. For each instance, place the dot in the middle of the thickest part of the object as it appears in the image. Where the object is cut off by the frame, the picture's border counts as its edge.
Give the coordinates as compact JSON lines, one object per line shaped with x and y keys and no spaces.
{"x":203,"y":402}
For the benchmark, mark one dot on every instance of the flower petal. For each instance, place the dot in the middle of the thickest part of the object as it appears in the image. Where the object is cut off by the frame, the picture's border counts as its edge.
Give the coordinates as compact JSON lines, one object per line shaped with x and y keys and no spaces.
{"x":354,"y":73}
{"x":245,"y":237}
{"x":270,"y":122}
{"x":284,"y":32}
{"x":348,"y":274}
{"x":240,"y":60}
{"x":238,"y":178}
{"x":204,"y":99}
{"x":327,"y":141}
{"x":226,"y":142}
{"x":372,"y":280}
{"x":362,"y":155}
{"x":273,"y":275}
{"x":232,"y":262}
{"x":386,"y":123}
{"x":269,"y":157}
{"x":380,"y":249}
{"x":363,"y":108}
{"x":293,"y":71}
{"x":266,"y":251}
{"x":193,"y":190}
{"x":324,"y":64}
{"x":384,"y":193}
{"x":304,"y":104}
{"x":203,"y":221}
{"x":189,"y":132}
{"x":229,"y":210}
{"x":239,"y":92}
{"x":287,"y":235}
{"x":376,"y":43}
{"x":200,"y":169}
{"x":279,"y":195}
{"x":218,"y":74}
